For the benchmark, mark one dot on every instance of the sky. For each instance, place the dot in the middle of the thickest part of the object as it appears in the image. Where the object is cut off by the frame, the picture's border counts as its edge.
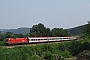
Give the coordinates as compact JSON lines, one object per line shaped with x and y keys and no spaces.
{"x":51,"y":13}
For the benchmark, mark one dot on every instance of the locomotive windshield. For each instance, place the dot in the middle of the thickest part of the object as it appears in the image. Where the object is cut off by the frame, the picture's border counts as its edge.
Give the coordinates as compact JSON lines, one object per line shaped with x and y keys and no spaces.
{"x":6,"y":40}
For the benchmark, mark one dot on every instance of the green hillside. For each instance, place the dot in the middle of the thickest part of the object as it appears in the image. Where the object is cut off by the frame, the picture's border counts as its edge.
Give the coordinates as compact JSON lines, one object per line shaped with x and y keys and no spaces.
{"x":19,"y":30}
{"x":76,"y":30}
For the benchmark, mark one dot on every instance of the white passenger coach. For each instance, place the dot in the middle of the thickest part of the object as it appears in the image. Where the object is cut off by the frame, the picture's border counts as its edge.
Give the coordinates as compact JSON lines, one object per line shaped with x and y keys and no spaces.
{"x":49,"y":39}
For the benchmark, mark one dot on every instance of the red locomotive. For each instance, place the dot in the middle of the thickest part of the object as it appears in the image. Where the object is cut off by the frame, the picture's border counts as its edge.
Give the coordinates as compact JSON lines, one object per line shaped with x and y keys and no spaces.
{"x":37,"y":40}
{"x":16,"y":41}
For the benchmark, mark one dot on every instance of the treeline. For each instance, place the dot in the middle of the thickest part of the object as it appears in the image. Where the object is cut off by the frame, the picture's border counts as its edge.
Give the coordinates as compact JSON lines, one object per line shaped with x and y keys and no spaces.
{"x":41,"y":30}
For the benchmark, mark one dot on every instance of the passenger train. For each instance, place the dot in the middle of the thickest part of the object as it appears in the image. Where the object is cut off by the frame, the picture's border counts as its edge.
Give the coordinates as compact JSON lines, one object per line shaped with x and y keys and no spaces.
{"x":29,"y":40}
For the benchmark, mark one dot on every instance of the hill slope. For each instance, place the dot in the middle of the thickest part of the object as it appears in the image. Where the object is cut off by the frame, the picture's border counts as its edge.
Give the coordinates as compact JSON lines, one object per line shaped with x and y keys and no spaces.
{"x":19,"y":30}
{"x":76,"y":30}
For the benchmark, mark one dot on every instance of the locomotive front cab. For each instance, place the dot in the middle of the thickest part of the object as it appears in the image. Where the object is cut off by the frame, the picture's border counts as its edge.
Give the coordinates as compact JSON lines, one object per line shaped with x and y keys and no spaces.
{"x":6,"y":42}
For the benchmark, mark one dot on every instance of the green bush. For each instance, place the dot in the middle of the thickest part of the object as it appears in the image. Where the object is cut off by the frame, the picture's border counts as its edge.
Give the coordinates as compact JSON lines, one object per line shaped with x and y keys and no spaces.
{"x":2,"y":43}
{"x":48,"y":55}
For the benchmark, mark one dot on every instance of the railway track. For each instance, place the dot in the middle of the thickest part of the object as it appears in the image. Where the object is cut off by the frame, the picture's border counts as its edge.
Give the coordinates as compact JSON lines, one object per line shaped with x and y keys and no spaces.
{"x":12,"y":46}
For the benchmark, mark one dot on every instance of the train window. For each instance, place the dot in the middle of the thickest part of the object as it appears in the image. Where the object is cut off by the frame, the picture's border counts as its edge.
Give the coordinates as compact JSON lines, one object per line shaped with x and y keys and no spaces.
{"x":65,"y":38}
{"x":41,"y":39}
{"x":60,"y":38}
{"x":54,"y":38}
{"x":35,"y":39}
{"x":57,"y":38}
{"x":32,"y":39}
{"x":38,"y":39}
{"x":45,"y":39}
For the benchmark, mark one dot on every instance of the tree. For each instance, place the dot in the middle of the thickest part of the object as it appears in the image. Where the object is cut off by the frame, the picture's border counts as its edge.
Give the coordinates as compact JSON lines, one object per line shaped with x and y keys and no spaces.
{"x":59,"y":32}
{"x":19,"y":35}
{"x":87,"y":29}
{"x":85,"y":55}
{"x":10,"y":35}
{"x":39,"y":30}
{"x":2,"y":37}
{"x":48,"y":32}
{"x":48,"y":55}
{"x":75,"y":47}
